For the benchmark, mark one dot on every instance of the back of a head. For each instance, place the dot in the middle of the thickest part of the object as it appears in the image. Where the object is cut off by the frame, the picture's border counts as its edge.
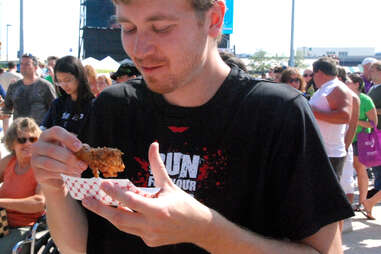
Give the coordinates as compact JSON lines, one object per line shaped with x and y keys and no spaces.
{"x":356,"y":78}
{"x":231,"y":59}
{"x":52,"y":58}
{"x":279,"y":69}
{"x":11,"y":65}
{"x":341,"y":73}
{"x":326,"y":65}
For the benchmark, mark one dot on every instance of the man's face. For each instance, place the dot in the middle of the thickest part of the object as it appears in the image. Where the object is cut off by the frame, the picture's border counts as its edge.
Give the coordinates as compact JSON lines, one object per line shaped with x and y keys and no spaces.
{"x":27,"y":68}
{"x":375,"y":75}
{"x":318,"y":79}
{"x":165,"y":40}
{"x":366,"y":72}
{"x":277,"y":76}
{"x":124,"y":78}
{"x":52,"y":63}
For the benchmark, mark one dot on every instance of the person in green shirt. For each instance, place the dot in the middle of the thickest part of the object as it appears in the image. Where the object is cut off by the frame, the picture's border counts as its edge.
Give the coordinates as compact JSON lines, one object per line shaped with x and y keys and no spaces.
{"x":367,"y":113}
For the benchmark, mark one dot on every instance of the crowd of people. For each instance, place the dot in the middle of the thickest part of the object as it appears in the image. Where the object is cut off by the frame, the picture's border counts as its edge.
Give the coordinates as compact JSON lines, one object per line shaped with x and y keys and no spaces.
{"x":40,"y":97}
{"x":335,"y":127}
{"x":244,"y":165}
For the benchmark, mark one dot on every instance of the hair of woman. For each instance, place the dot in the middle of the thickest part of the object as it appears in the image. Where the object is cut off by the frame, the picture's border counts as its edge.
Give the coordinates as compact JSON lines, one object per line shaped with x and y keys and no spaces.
{"x":19,"y":125}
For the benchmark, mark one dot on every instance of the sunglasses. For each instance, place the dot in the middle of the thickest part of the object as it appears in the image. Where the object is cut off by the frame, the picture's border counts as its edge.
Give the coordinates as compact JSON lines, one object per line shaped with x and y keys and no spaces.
{"x":23,"y":140}
{"x":64,"y":83}
{"x":294,"y":80}
{"x":308,"y":75}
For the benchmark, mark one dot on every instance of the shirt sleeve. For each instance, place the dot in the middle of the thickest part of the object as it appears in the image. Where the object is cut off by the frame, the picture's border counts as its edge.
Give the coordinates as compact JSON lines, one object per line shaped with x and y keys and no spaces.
{"x":8,"y":102}
{"x":2,"y":91}
{"x":368,"y":104}
{"x":305,"y":194}
{"x":48,"y":121}
{"x":375,"y":95}
{"x":50,"y":94}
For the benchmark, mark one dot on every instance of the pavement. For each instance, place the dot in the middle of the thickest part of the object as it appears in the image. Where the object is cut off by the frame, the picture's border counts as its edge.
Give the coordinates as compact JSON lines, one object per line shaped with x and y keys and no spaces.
{"x":362,"y":236}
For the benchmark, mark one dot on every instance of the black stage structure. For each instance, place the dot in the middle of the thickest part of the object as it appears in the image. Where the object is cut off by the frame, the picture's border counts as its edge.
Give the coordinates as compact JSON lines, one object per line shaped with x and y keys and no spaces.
{"x":99,"y":36}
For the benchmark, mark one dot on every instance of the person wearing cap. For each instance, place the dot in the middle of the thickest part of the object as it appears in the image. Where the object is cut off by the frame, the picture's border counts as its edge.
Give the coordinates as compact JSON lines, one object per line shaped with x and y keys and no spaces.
{"x":366,"y":63}
{"x":125,"y":72}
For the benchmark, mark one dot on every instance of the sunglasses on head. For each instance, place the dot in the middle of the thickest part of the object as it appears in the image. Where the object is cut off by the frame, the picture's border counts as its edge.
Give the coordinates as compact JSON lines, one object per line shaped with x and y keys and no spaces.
{"x":23,"y":140}
{"x":308,"y":75}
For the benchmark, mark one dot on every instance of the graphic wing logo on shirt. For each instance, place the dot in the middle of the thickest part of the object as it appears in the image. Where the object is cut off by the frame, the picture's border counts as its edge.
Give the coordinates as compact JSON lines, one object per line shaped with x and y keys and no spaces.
{"x":176,"y":129}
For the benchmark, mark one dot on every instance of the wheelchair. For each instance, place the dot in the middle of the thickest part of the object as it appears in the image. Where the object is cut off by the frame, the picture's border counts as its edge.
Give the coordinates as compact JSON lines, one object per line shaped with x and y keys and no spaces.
{"x":37,"y":241}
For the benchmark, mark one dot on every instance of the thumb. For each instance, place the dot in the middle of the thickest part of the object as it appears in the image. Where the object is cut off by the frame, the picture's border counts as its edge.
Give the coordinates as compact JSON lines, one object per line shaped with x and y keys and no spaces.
{"x":157,"y":166}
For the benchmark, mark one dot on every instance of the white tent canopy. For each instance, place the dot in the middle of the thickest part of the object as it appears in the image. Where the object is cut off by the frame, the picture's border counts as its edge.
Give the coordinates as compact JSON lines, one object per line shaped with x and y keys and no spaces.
{"x":90,"y":61}
{"x":106,"y":64}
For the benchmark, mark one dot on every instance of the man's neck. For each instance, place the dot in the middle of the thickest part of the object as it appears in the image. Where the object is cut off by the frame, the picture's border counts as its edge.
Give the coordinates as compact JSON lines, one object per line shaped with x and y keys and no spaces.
{"x":29,"y":80}
{"x":326,"y":80}
{"x":202,"y":88}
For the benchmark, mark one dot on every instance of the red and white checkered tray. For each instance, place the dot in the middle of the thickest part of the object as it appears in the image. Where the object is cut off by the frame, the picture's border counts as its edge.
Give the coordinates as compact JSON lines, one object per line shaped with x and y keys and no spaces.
{"x":79,"y":188}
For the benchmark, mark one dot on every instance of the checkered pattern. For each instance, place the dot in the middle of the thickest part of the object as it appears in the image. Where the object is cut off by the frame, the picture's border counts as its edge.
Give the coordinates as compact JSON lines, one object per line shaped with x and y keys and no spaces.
{"x":80,"y":188}
{"x":4,"y":229}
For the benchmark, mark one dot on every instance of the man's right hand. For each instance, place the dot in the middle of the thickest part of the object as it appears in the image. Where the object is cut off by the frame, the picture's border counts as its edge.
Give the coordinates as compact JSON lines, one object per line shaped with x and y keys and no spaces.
{"x":52,"y":155}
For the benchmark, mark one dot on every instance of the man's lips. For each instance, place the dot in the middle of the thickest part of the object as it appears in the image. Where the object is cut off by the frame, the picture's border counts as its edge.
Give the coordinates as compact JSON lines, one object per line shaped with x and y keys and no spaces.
{"x":150,"y":68}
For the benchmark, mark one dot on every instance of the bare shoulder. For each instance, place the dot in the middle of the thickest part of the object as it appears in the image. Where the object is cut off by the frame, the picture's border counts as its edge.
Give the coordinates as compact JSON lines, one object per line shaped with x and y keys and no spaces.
{"x":3,"y":164}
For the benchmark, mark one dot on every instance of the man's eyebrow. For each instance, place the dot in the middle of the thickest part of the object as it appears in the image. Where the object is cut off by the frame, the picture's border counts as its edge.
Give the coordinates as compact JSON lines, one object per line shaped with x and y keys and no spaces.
{"x":156,"y":17}
{"x":159,"y":17}
{"x":121,"y":20}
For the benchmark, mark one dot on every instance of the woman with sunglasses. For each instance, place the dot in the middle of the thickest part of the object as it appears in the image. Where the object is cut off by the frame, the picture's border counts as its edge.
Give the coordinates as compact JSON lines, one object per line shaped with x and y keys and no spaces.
{"x":69,"y":110}
{"x":292,"y":77}
{"x":20,"y":194}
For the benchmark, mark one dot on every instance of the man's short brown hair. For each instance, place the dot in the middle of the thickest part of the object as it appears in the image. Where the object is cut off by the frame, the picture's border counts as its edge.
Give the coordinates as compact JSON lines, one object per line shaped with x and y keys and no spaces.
{"x":200,"y":6}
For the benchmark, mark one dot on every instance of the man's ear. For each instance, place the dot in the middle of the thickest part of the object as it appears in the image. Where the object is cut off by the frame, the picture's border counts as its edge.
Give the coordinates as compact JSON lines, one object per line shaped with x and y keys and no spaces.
{"x":216,"y":16}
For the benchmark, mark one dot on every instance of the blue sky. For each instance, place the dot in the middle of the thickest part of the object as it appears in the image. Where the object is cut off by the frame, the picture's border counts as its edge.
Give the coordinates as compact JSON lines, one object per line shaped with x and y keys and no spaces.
{"x":51,"y":26}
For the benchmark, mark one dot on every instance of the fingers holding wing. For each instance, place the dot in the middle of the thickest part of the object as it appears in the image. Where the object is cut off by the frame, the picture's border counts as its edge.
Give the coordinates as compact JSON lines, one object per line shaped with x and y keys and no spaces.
{"x":53,"y":154}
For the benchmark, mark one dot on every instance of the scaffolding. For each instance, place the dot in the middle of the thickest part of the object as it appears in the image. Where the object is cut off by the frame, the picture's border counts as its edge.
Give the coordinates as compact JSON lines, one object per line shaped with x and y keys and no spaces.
{"x":82,"y":24}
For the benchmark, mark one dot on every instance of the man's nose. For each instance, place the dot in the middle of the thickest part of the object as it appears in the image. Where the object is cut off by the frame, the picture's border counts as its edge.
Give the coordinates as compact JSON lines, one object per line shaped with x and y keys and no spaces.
{"x":143,"y":45}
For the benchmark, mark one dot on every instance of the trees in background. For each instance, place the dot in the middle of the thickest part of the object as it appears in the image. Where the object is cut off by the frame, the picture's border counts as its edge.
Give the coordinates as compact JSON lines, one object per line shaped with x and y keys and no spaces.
{"x":260,"y":62}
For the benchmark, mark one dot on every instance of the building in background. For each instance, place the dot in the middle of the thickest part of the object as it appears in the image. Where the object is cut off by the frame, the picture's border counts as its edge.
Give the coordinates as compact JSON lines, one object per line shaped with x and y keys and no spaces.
{"x":347,"y":56}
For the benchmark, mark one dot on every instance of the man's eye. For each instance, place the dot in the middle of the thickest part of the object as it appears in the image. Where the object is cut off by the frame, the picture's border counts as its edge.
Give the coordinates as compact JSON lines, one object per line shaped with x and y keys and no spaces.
{"x":162,"y":29}
{"x":128,"y":30}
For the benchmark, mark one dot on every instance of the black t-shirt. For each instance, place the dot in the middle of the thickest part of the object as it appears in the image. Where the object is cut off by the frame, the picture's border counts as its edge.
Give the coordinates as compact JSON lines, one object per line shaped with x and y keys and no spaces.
{"x":65,"y":113}
{"x":252,"y":153}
